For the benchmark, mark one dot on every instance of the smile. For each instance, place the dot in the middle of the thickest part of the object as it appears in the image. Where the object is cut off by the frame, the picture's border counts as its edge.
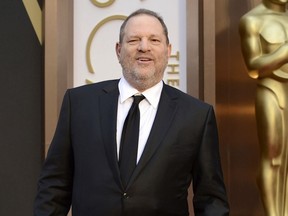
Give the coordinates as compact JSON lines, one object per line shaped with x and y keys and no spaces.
{"x":144,"y":59}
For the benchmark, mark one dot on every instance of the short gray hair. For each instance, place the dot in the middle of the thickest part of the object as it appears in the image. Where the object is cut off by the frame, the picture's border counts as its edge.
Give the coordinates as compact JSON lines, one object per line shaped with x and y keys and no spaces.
{"x":146,"y":12}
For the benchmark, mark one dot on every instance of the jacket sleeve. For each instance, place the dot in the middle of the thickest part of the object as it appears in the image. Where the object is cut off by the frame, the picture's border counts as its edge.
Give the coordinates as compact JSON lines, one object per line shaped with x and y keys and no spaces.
{"x":55,"y":183}
{"x":208,"y":186}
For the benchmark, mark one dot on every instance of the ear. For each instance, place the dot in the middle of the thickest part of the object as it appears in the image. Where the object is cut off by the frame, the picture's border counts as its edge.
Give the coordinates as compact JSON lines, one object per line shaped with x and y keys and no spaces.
{"x":169,"y":50}
{"x":118,"y":49}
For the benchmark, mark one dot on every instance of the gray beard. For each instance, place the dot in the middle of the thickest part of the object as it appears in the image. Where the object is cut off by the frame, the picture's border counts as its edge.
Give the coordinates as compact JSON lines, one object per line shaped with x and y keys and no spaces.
{"x":141,"y":83}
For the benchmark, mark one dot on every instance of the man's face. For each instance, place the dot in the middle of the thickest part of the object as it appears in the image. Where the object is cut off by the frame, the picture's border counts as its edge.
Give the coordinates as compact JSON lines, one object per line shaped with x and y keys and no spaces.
{"x":143,"y":53}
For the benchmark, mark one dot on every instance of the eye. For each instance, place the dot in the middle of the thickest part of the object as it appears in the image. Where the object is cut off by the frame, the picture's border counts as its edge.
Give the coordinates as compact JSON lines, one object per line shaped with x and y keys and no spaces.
{"x":155,"y":41}
{"x":133,"y":41}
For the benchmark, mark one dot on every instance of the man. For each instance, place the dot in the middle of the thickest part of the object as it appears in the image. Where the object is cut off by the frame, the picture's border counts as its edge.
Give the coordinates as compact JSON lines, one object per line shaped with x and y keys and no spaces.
{"x":177,"y":140}
{"x":264,"y":36}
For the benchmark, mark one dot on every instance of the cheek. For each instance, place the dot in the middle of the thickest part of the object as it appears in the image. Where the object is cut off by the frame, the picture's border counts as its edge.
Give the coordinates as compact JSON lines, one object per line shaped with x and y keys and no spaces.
{"x":163,"y":58}
{"x":126,"y":60}
{"x":122,"y":56}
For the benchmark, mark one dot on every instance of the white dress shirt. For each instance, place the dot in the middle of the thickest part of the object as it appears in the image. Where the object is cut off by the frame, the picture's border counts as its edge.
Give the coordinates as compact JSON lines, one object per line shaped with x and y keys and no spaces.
{"x":148,"y":108}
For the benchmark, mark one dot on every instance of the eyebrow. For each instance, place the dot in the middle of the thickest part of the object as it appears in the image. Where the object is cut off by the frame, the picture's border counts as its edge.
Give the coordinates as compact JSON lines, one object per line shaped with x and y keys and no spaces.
{"x":149,"y":36}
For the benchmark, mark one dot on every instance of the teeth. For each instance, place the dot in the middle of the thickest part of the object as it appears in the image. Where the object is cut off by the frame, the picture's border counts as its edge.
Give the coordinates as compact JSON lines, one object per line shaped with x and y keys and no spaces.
{"x":143,"y":59}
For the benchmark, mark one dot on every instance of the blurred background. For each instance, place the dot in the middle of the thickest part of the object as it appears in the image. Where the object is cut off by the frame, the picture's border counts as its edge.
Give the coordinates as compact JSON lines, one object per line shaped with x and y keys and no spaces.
{"x":46,"y":47}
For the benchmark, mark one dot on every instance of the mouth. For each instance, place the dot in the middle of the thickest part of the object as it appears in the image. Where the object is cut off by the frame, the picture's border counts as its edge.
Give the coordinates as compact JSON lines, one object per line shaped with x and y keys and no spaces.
{"x":144,"y":59}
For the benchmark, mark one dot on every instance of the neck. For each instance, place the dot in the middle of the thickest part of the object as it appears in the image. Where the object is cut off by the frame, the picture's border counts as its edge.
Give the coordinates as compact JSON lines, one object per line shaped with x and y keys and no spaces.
{"x":141,"y":86}
{"x":279,"y":7}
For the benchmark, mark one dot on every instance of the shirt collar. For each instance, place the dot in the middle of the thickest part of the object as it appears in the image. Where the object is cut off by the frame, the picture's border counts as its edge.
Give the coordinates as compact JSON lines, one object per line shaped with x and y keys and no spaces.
{"x":152,"y":94}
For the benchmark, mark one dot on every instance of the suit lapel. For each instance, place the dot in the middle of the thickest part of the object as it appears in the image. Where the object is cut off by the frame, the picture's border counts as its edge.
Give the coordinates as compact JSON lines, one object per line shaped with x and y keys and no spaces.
{"x":163,"y":119}
{"x":108,"y":115}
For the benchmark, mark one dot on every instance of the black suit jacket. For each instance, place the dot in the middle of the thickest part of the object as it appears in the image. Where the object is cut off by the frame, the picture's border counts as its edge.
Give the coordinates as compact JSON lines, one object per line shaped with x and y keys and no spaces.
{"x":81,"y":167}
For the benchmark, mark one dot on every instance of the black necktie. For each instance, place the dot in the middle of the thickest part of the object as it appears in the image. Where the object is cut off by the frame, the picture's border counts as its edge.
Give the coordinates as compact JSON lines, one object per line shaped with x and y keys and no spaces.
{"x":129,"y":141}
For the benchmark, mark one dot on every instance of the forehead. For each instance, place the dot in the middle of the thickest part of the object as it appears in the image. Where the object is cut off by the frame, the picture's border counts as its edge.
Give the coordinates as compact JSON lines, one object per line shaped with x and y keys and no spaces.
{"x":144,"y":24}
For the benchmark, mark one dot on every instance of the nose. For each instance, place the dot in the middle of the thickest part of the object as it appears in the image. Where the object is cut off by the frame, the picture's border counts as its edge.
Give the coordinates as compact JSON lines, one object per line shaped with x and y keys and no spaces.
{"x":144,"y":45}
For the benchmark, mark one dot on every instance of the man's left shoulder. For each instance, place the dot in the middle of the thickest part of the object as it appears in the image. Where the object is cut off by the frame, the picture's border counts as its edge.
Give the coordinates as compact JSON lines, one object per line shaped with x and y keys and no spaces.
{"x":186,"y":99}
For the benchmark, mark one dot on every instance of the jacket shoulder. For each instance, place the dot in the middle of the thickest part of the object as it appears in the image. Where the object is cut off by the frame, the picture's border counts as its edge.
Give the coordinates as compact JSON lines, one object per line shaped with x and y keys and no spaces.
{"x":95,"y":88}
{"x":185,"y":99}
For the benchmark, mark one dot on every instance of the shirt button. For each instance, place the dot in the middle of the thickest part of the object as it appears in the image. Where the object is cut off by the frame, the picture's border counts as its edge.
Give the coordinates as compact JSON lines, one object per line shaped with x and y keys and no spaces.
{"x":125,"y":195}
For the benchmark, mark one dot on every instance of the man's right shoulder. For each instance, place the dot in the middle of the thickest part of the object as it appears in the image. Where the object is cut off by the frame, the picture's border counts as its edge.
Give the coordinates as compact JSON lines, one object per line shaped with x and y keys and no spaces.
{"x":255,"y":15}
{"x":95,"y":87}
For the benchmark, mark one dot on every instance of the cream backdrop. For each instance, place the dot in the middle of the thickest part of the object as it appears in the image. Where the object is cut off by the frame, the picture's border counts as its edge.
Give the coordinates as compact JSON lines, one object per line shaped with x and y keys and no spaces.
{"x":96,"y":30}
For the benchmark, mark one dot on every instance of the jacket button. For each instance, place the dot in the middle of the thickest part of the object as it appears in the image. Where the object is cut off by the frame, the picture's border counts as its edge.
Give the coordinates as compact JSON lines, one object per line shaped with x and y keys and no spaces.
{"x":125,"y":196}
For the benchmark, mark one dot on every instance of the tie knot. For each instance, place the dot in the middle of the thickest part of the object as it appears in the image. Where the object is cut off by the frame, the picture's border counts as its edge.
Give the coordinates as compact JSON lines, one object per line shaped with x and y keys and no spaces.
{"x":138,"y":98}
